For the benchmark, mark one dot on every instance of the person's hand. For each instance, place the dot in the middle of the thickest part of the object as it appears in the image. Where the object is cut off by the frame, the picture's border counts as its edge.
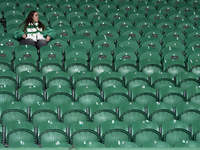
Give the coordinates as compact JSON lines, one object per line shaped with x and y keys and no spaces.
{"x":24,"y":36}
{"x":48,"y":38}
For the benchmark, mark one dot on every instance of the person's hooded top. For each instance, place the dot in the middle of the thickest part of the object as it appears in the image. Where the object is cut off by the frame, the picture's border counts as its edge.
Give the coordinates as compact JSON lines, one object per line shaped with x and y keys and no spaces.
{"x":34,"y":32}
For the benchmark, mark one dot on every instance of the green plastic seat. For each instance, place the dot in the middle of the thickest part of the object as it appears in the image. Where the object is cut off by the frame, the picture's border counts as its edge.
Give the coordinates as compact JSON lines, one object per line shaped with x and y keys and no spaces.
{"x":30,"y":95}
{"x":88,"y":95}
{"x":107,"y":5}
{"x":163,"y":23}
{"x":101,"y":112}
{"x":156,"y":144}
{"x":130,"y":31}
{"x":86,"y":30}
{"x":115,"y":13}
{"x":116,"y":95}
{"x":59,"y":43}
{"x":83,"y":78}
{"x":100,"y":53}
{"x":192,"y":41}
{"x":49,"y":64}
{"x":171,"y":95}
{"x":26,"y":4}
{"x":188,"y":112}
{"x":51,"y":131}
{"x":57,"y":144}
{"x":112,"y":130}
{"x":159,"y":112}
{"x":162,"y":79}
{"x":10,"y":42}
{"x":99,"y":65}
{"x":58,"y":95}
{"x":193,"y":63}
{"x":152,"y":31}
{"x":174,"y":66}
{"x":144,"y":95}
{"x":144,"y":130}
{"x":187,"y":143}
{"x":75,"y":51}
{"x":108,"y":31}
{"x":53,"y":50}
{"x":123,"y":144}
{"x":94,"y":13}
{"x":57,"y":78}
{"x":25,"y":64}
{"x":81,"y":40}
{"x":23,"y":144}
{"x":58,"y":20}
{"x":85,"y":5}
{"x":146,"y":6}
{"x":143,"y":22}
{"x":192,"y":94}
{"x":172,"y":53}
{"x":83,"y":131}
{"x":73,"y":112}
{"x":74,"y":12}
{"x":174,"y":131}
{"x":20,"y":131}
{"x":13,"y":111}
{"x":134,"y":79}
{"x":8,"y":78}
{"x":107,"y":79}
{"x":184,"y":24}
{"x":195,"y":130}
{"x":173,"y":42}
{"x":101,"y":21}
{"x":73,"y":65}
{"x":150,"y":66}
{"x":53,"y":13}
{"x":174,"y":32}
{"x":79,"y":21}
{"x":104,"y":41}
{"x":135,"y":13}
{"x":24,"y":51}
{"x":124,"y":52}
{"x":127,"y":41}
{"x":43,"y":112}
{"x":148,"y":54}
{"x":120,"y":22}
{"x":90,"y":144}
{"x":126,"y":5}
{"x":185,"y":80}
{"x":63,"y":32}
{"x":64,"y":5}
{"x":154,"y":15}
{"x":31,"y":78}
{"x":7,"y":94}
{"x":130,"y":112}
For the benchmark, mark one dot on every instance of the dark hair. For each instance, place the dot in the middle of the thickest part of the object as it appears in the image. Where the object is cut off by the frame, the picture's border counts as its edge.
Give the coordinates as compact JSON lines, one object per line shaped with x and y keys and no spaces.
{"x":28,"y":20}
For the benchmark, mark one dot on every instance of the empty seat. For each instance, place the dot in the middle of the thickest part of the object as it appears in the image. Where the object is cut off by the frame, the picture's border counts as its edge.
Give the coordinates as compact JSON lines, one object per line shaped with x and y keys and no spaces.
{"x":188,"y":112}
{"x":83,"y":131}
{"x":101,"y":112}
{"x":187,"y":143}
{"x":145,"y":130}
{"x":116,"y":95}
{"x":42,"y":112}
{"x":144,"y":95}
{"x":51,"y":131}
{"x":130,"y":112}
{"x":58,"y":78}
{"x":13,"y":111}
{"x":111,"y":131}
{"x":88,"y":95}
{"x":171,"y":95}
{"x":30,"y":78}
{"x":73,"y":112}
{"x":91,"y":144}
{"x":20,"y":131}
{"x":123,"y":144}
{"x":156,"y":143}
{"x":174,"y":131}
{"x":159,"y":112}
{"x":57,"y":144}
{"x":8,"y":78}
{"x":134,"y":79}
{"x":7,"y":93}
{"x":30,"y":95}
{"x":58,"y":95}
{"x":192,"y":94}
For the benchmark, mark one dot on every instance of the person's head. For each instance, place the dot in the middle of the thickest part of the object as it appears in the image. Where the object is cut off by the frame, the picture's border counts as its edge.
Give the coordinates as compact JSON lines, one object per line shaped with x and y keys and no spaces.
{"x":32,"y":17}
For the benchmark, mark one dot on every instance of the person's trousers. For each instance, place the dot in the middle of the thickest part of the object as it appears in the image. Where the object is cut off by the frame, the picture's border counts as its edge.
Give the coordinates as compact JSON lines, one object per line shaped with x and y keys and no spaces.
{"x":38,"y":44}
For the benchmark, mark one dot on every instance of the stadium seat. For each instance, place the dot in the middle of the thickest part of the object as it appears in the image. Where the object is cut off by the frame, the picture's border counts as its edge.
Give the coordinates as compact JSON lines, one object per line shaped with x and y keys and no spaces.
{"x":57,"y":144}
{"x":156,"y":144}
{"x":101,"y":112}
{"x":57,"y":78}
{"x":187,"y":143}
{"x":90,"y":144}
{"x":8,"y":78}
{"x":80,"y":40}
{"x":111,"y":131}
{"x":162,"y":79}
{"x":159,"y":112}
{"x":7,"y":93}
{"x":58,"y":95}
{"x":104,"y":41}
{"x":51,"y":131}
{"x":84,"y":78}
{"x":88,"y":95}
{"x":172,"y":95}
{"x":116,"y":95}
{"x":42,"y":112}
{"x":185,"y":80}
{"x":86,"y":30}
{"x":188,"y":112}
{"x":23,"y":144}
{"x":193,"y":63}
{"x":192,"y":94}
{"x":144,"y":130}
{"x":73,"y":112}
{"x":174,"y":131}
{"x":30,"y":95}
{"x":83,"y":131}
{"x":127,"y":41}
{"x":144,"y":95}
{"x":79,"y":21}
{"x":131,"y":31}
{"x":123,"y":144}
{"x":31,"y":78}
{"x":20,"y":131}
{"x":130,"y":112}
{"x":13,"y":111}
{"x":134,"y":79}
